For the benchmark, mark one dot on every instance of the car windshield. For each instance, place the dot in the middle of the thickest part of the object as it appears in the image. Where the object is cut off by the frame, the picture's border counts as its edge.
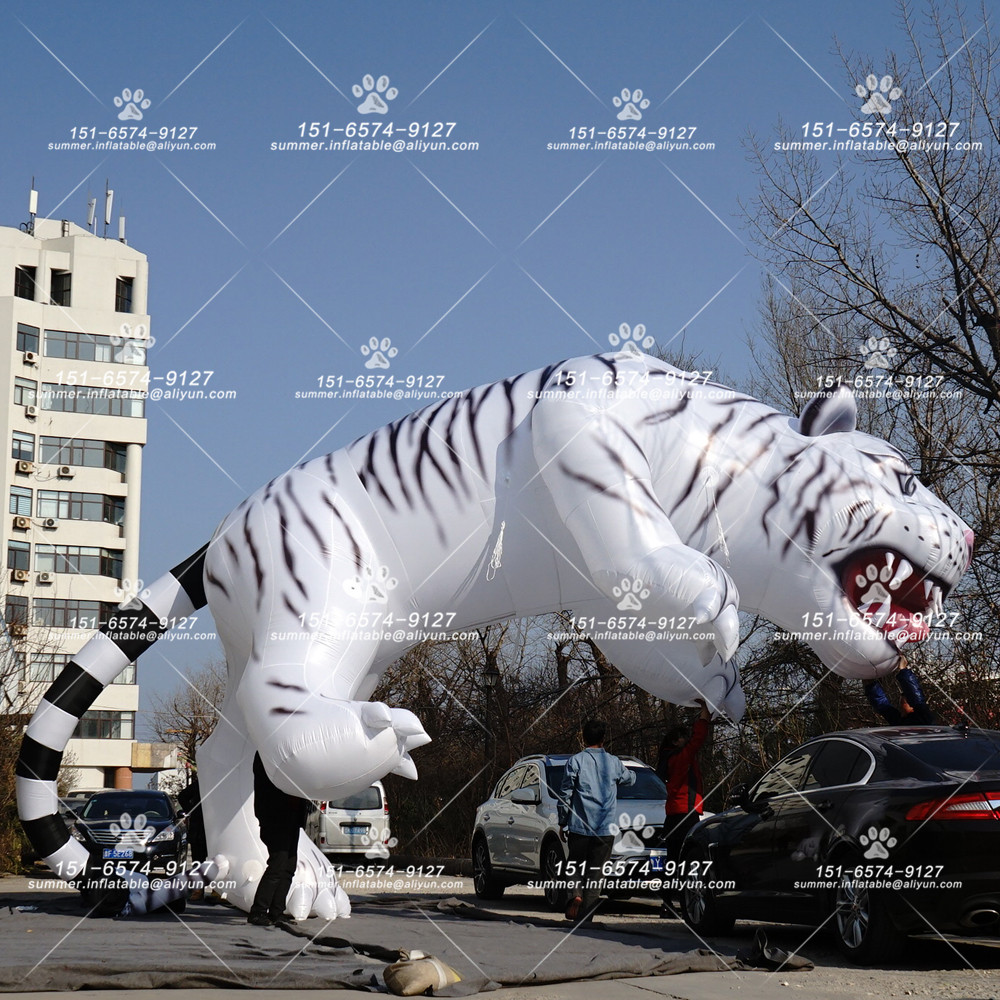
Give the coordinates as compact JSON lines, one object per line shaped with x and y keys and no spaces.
{"x":112,"y":806}
{"x":647,"y":784}
{"x":960,"y":755}
{"x":369,"y":798}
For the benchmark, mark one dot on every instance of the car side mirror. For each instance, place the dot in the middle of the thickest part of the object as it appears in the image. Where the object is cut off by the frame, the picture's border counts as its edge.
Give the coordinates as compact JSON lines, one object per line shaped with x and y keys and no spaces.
{"x":758,"y":804}
{"x":525,"y":796}
{"x":736,"y":795}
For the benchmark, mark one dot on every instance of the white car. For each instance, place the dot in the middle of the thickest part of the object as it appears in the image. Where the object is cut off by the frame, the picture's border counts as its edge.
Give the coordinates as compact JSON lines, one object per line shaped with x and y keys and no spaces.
{"x":356,"y":824}
{"x":516,"y":835}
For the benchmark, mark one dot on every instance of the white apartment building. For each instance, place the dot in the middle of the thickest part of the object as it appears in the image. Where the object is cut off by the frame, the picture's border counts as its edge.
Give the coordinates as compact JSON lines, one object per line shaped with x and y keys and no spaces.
{"x":72,"y":393}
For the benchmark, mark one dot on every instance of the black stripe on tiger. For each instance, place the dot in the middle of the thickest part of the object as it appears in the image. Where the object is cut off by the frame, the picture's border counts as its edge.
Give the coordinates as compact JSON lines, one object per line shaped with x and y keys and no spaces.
{"x":190,"y":575}
{"x":135,"y":628}
{"x":46,"y":834}
{"x":74,"y":690}
{"x":38,"y":761}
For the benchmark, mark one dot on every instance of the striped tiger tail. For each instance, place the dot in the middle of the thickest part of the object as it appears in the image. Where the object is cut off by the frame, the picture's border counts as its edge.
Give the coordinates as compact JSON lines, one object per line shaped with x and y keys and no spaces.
{"x":134,"y":627}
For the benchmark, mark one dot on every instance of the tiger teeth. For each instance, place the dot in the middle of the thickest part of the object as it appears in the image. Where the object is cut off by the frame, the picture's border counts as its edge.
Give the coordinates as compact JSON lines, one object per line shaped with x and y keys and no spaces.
{"x":904,"y":571}
{"x":928,"y":587}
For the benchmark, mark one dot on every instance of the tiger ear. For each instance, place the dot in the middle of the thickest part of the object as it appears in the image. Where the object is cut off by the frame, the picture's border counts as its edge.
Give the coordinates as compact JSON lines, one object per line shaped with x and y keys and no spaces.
{"x":833,"y":412}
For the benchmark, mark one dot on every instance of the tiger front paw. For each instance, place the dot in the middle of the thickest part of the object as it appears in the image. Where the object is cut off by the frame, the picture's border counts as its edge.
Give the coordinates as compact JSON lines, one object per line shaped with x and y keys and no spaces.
{"x":694,"y":595}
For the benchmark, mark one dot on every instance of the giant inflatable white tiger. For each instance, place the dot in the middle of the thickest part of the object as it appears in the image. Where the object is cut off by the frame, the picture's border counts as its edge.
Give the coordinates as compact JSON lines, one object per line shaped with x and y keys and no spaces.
{"x":600,"y":485}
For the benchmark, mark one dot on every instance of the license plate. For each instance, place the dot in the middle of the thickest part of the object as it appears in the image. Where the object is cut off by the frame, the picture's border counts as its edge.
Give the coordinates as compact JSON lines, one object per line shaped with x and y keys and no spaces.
{"x":117,"y":854}
{"x":355,"y":831}
{"x":656,"y":861}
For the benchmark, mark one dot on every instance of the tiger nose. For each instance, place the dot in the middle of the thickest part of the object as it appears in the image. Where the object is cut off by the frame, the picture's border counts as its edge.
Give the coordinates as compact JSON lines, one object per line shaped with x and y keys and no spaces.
{"x":970,"y":541}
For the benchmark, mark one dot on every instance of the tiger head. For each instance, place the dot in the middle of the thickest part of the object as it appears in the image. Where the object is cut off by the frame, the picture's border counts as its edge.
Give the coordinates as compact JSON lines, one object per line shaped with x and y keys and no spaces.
{"x":867,"y":553}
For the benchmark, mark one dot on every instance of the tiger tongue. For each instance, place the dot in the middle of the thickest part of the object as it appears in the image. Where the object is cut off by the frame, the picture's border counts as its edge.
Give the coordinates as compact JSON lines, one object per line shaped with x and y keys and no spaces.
{"x":904,"y":625}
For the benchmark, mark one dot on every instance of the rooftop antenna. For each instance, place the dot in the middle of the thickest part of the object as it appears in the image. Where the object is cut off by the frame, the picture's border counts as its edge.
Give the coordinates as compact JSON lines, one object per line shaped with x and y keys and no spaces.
{"x":109,"y":197}
{"x":91,"y":213}
{"x":32,"y":207}
{"x":121,"y":229}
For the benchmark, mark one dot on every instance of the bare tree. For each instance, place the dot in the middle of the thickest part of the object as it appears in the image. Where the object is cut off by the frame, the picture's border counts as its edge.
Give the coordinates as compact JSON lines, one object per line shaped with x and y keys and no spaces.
{"x":188,"y":715}
{"x":20,"y":642}
{"x":901,"y":240}
{"x":884,"y":272}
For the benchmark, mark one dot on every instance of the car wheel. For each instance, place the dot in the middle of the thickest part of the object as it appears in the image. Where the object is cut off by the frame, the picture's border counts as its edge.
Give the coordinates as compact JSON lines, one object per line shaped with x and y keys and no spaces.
{"x":553,"y":872}
{"x":699,"y":904}
{"x":865,"y":932}
{"x":487,"y":885}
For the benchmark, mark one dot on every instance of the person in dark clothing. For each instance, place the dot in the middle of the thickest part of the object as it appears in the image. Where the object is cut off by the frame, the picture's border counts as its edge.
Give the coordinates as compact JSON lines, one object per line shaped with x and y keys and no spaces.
{"x":677,"y":766}
{"x":281,"y":816}
{"x":913,"y":709}
{"x":190,"y":800}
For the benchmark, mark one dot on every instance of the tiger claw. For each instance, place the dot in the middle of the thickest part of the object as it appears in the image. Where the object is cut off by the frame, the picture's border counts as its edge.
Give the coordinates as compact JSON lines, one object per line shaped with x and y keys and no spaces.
{"x":727,"y":632}
{"x":406,"y":767}
{"x":376,"y":714}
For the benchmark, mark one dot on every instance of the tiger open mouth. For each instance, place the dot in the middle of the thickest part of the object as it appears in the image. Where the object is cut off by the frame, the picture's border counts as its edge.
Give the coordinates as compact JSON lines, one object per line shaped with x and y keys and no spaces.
{"x":890,"y":594}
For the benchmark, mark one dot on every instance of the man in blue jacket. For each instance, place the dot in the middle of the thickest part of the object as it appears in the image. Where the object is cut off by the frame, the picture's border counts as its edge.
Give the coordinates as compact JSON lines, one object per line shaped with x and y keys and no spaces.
{"x":587,"y":804}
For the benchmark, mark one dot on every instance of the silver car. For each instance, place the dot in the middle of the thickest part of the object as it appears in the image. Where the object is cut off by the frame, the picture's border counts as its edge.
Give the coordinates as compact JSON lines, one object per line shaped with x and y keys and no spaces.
{"x":516,"y":835}
{"x":357,"y":824}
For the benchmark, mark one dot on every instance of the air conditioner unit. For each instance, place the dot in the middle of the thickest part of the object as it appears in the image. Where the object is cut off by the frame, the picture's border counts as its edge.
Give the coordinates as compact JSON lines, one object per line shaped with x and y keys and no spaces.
{"x":22,"y":523}
{"x":65,"y":472}
{"x":20,"y":576}
{"x":31,"y":411}
{"x":25,"y":467}
{"x":46,"y":578}
{"x":30,"y":358}
{"x":18,"y":628}
{"x":49,"y":522}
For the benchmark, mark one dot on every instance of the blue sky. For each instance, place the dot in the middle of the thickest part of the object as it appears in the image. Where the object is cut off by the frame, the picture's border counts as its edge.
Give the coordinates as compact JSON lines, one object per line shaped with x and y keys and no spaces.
{"x":272,"y":268}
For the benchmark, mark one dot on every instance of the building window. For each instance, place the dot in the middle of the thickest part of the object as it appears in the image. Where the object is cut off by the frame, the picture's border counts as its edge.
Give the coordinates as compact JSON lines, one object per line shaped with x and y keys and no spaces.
{"x":81,"y":506}
{"x":27,"y":337}
{"x":87,"y":560}
{"x":20,"y":501}
{"x":16,"y":612}
{"x":44,"y":668}
{"x":123,"y":295}
{"x":25,"y":392}
{"x":22,"y":446}
{"x":83,"y":452}
{"x":127,"y":676}
{"x":103,"y":724}
{"x":59,"y":288}
{"x":24,"y":282}
{"x":91,"y":399}
{"x":18,"y":555}
{"x":56,"y":613}
{"x":93,"y":347}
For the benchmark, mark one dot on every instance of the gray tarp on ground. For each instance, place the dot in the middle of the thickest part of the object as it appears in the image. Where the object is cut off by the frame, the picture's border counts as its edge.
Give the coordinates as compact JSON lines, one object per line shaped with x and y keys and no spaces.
{"x":56,"y":948}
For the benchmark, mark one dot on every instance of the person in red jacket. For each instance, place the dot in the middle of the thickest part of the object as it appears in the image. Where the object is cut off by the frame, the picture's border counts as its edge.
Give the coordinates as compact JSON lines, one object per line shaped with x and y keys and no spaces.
{"x":677,"y":766}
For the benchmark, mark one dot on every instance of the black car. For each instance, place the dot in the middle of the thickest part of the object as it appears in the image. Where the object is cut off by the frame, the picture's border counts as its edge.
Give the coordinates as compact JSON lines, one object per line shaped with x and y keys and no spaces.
{"x":143,"y":829}
{"x":879,"y":833}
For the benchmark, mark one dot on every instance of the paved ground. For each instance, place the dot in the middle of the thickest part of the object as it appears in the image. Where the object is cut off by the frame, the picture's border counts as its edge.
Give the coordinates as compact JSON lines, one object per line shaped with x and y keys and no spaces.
{"x":931,"y":969}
